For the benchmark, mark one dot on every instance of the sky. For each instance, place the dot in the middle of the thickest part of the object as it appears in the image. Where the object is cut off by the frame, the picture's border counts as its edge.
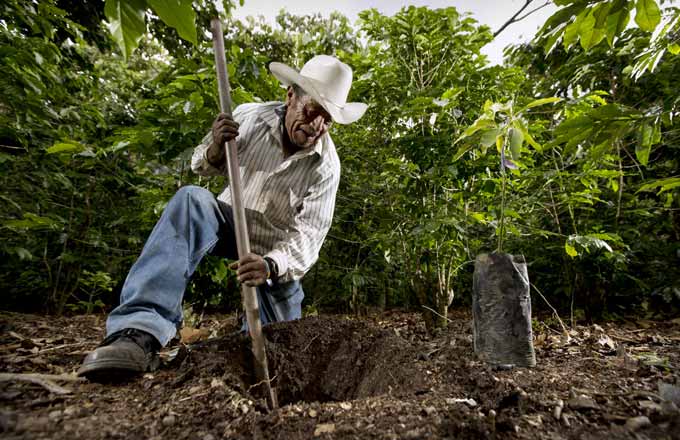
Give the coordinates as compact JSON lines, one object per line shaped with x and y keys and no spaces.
{"x":492,"y":13}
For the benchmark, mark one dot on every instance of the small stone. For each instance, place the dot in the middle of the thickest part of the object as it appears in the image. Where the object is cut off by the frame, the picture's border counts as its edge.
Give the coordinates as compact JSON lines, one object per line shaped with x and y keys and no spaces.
{"x":244,"y":408}
{"x":168,"y":420}
{"x":635,"y":423}
{"x":429,"y":410}
{"x":217,"y":383}
{"x":582,"y":403}
{"x":565,"y":420}
{"x":557,"y":412}
{"x":469,"y":402}
{"x":312,"y":413}
{"x":208,"y":437}
{"x":55,"y":415}
{"x":346,"y":406}
{"x":649,"y":405}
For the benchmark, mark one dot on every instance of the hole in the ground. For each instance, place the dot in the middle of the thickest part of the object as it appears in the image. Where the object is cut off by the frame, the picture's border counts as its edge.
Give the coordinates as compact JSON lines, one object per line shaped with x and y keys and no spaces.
{"x":322,"y":359}
{"x":319,"y":359}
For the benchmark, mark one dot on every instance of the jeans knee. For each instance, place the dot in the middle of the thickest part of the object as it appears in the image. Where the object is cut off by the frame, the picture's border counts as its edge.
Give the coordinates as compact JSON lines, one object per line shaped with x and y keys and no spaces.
{"x":192,"y":193}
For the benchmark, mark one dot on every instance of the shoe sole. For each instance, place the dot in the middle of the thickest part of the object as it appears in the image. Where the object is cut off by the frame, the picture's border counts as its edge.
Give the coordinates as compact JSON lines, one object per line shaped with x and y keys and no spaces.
{"x":110,"y":371}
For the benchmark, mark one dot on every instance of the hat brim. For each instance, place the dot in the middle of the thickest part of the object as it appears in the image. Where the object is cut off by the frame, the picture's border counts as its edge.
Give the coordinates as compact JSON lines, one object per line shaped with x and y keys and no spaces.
{"x":345,"y":114}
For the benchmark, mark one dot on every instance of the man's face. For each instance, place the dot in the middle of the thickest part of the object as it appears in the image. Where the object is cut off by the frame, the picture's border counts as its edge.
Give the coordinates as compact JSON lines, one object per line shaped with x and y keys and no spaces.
{"x":306,"y":121}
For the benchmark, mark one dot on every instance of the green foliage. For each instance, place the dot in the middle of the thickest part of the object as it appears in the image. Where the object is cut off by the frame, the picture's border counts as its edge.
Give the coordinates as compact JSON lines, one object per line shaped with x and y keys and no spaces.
{"x":593,"y":21}
{"x":584,"y":182}
{"x":126,"y":20}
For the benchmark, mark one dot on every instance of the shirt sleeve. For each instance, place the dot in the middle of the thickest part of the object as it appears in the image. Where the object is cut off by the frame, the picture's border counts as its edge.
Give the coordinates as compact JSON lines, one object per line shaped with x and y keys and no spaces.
{"x":199,"y":159}
{"x":296,"y":255}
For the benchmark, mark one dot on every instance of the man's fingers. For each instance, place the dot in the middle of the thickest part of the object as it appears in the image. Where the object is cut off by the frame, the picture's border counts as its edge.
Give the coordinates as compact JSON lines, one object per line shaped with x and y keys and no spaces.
{"x":246,"y":268}
{"x":250,"y":270}
{"x":254,"y":283}
{"x":227,"y":124}
{"x":251,"y":278}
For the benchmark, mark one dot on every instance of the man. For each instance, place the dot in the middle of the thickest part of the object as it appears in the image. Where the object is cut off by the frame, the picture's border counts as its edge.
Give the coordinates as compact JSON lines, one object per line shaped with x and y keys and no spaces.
{"x":290,"y":172}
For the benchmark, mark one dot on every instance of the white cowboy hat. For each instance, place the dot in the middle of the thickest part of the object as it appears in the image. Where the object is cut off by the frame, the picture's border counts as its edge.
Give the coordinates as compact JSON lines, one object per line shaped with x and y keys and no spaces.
{"x":327,"y":80}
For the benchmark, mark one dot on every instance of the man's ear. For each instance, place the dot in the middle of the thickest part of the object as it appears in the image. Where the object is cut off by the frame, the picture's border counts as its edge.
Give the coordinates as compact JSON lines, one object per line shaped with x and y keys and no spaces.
{"x":289,"y":94}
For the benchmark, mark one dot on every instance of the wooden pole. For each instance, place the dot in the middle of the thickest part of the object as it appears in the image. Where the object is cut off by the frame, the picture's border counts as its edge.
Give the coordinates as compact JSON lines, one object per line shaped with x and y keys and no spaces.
{"x":248,"y":293}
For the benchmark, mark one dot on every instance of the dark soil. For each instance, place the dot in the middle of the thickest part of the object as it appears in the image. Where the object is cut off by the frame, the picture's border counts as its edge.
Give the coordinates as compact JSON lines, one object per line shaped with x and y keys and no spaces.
{"x":336,"y":377}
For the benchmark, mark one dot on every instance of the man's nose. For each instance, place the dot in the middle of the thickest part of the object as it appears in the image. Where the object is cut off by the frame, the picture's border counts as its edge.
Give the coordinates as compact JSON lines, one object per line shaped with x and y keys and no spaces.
{"x":317,"y":123}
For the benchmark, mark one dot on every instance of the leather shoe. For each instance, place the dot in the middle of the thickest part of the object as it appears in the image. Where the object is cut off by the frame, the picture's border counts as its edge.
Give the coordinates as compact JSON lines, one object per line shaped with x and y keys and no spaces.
{"x":122,"y":355}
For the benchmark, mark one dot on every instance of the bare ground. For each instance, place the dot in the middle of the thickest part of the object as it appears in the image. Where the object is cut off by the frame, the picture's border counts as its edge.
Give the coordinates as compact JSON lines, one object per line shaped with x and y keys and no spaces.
{"x":376,"y":377}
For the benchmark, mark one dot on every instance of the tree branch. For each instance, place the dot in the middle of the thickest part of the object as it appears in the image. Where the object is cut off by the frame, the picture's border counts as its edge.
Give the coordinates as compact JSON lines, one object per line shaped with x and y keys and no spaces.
{"x":515,"y":18}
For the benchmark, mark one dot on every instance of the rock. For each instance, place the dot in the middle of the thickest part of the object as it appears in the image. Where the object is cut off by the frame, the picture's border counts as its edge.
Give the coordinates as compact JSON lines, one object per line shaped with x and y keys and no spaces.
{"x":557,"y":412}
{"x":582,"y":403}
{"x":73,"y":411}
{"x":469,"y":402}
{"x":168,"y":420}
{"x":649,"y":405}
{"x":324,"y":428}
{"x":312,"y":413}
{"x":346,"y":406}
{"x":208,"y":437}
{"x":55,"y":415}
{"x":670,"y":393}
{"x":217,"y":383}
{"x":429,"y":410}
{"x":635,"y":423}
{"x":565,"y":420}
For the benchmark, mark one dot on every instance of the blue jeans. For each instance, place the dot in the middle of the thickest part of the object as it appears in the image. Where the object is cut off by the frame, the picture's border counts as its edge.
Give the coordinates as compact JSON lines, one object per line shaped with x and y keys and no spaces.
{"x":193,"y":224}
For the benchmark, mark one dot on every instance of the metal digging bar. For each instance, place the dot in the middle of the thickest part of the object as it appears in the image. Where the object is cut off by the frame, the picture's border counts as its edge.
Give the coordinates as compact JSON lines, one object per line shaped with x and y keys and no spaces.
{"x":248,"y":293}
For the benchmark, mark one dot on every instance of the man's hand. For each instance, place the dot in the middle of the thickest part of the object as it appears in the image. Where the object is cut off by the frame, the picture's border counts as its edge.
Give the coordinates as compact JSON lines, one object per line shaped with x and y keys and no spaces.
{"x":224,"y":129}
{"x":251,"y":270}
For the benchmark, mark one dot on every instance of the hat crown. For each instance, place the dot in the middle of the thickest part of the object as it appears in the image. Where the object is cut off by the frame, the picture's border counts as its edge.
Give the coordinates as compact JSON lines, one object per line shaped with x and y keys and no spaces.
{"x":334,"y":76}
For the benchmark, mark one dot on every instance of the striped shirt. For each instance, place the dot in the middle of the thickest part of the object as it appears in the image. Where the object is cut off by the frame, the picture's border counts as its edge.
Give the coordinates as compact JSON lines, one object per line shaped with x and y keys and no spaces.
{"x":289,"y":202}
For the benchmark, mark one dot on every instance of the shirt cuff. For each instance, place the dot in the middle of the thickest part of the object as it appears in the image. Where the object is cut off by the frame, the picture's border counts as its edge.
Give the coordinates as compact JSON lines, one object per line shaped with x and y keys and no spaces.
{"x":281,"y":260}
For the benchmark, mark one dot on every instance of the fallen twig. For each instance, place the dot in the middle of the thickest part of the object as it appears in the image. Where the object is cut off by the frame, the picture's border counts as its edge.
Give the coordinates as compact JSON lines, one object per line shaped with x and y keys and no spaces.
{"x":309,"y":344}
{"x":441,"y":316}
{"x":183,"y":399}
{"x":44,"y":380}
{"x":59,"y":347}
{"x":262,"y":382}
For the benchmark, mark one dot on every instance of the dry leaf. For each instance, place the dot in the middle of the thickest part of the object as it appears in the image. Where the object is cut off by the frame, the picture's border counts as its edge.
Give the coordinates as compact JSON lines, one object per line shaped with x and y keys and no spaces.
{"x":191,"y":335}
{"x":324,"y":428}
